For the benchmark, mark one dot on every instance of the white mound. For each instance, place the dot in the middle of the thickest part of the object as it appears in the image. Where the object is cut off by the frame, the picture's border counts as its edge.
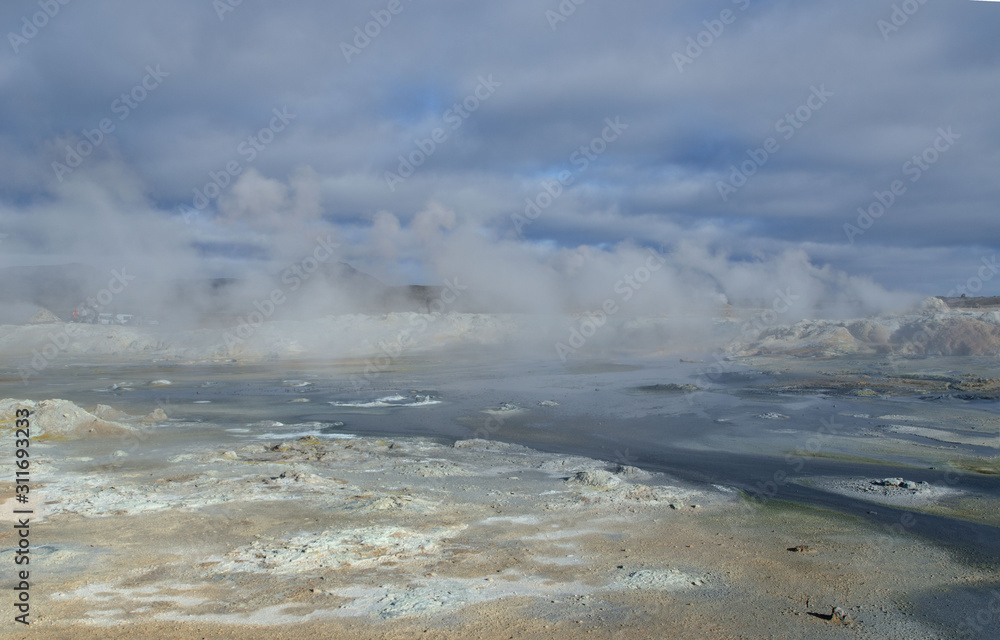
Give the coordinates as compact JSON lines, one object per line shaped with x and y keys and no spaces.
{"x":948,"y":333}
{"x":44,"y":316}
{"x":62,"y":419}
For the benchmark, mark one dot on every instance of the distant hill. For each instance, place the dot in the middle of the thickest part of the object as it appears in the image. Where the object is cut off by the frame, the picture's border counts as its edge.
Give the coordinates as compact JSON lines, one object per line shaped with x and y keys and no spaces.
{"x":334,"y":288}
{"x":984,"y":302}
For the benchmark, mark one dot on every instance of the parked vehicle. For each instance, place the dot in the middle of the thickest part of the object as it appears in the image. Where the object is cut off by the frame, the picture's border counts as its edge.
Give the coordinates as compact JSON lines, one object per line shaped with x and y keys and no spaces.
{"x":88,"y":315}
{"x":85,"y":315}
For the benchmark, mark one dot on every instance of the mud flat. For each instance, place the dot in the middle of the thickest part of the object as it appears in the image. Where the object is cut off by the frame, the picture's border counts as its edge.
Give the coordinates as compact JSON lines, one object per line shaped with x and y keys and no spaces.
{"x":148,"y":528}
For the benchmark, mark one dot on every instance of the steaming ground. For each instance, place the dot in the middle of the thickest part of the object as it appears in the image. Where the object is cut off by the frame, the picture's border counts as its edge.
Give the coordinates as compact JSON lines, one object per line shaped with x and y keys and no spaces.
{"x":382,"y":336}
{"x":475,"y":485}
{"x":946,"y":333}
{"x":933,"y":330}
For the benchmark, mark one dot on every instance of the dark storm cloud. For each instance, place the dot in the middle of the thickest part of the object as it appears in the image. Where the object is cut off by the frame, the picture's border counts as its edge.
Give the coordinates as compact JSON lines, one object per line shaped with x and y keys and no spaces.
{"x":698,"y":84}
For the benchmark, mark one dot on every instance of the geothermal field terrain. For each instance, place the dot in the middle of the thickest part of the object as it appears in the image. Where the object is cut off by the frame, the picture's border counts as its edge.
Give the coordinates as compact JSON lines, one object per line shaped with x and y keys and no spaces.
{"x":829,"y":479}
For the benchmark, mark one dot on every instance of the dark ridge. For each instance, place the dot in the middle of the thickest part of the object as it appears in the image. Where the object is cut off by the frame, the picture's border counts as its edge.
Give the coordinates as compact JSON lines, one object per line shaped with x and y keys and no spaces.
{"x":982,"y":302}
{"x":333,"y":288}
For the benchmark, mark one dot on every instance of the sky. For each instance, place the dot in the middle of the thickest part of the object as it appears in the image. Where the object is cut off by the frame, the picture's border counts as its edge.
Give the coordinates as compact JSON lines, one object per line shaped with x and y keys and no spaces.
{"x":755,"y":143}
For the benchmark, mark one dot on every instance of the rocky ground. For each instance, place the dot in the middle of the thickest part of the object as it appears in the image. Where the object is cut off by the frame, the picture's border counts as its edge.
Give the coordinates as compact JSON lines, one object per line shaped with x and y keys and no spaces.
{"x":935,"y":330}
{"x":886,"y":383}
{"x":149,"y":529}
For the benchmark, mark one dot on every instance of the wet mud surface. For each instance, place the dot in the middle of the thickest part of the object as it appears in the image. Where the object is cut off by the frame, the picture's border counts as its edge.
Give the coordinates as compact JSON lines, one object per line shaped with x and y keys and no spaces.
{"x":455,"y":497}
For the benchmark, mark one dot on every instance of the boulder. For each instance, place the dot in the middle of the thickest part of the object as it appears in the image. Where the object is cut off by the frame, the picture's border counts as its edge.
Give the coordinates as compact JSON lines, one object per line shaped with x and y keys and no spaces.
{"x":596,"y":478}
{"x":62,"y":419}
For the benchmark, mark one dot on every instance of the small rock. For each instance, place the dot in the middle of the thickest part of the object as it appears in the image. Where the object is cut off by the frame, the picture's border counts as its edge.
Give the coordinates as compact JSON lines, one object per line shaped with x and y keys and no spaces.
{"x":890,"y":482}
{"x":104,"y":412}
{"x":838,"y":615}
{"x":801,"y":548}
{"x":598,"y":479}
{"x":627,"y":471}
{"x":156,"y":415}
{"x":252,"y":449}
